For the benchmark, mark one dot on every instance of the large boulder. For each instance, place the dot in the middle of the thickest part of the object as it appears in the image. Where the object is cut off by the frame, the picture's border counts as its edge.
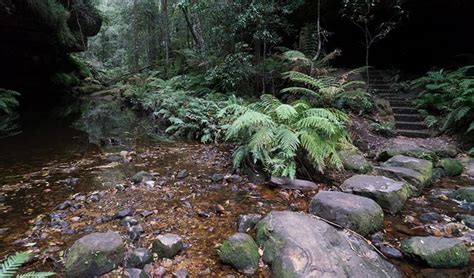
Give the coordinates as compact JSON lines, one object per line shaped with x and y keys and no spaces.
{"x":388,"y":193}
{"x":430,"y":149}
{"x":94,"y":255}
{"x":437,"y":252}
{"x":355,"y":162}
{"x":416,"y":172}
{"x":241,"y":252}
{"x":300,"y":245}
{"x":357,"y":213}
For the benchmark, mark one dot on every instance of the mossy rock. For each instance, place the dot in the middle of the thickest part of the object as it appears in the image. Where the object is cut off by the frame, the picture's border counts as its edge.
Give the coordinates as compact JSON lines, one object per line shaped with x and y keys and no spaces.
{"x":138,"y":177}
{"x":94,"y":255}
{"x":355,"y":162}
{"x":451,"y":167}
{"x":241,"y":252}
{"x":437,"y":252}
{"x":360,"y":214}
{"x":464,"y":194}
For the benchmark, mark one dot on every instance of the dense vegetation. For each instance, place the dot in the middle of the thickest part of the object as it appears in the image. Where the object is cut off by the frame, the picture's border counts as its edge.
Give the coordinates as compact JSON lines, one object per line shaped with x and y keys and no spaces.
{"x":447,"y":100}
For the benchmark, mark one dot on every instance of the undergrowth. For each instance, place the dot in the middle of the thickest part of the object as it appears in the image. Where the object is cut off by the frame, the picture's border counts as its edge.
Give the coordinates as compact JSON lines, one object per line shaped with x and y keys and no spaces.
{"x":447,"y":100}
{"x":13,"y":263}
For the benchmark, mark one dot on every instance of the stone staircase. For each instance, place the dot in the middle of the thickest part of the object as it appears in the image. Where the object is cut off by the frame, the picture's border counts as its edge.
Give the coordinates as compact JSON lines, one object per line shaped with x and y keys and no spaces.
{"x":408,"y":121}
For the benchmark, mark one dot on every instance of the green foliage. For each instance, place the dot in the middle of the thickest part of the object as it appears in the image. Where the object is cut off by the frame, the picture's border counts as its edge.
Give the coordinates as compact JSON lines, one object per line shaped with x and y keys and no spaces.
{"x":275,"y":134}
{"x":447,"y":100}
{"x":386,"y":129}
{"x":13,"y":263}
{"x":54,"y":15}
{"x":233,"y":73}
{"x":329,"y":91}
{"x":8,"y":115}
{"x":66,"y":80}
{"x":179,"y":109}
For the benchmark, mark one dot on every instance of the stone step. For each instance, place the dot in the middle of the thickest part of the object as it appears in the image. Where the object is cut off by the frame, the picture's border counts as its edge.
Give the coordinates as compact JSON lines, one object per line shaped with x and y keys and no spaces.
{"x":400,"y":102}
{"x":414,"y":133}
{"x":408,"y":117}
{"x":410,"y":125}
{"x":404,"y":110}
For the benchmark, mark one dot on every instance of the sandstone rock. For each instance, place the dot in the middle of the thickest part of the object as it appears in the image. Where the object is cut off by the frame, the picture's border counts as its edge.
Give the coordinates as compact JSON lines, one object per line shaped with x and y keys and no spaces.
{"x":94,"y":255}
{"x":299,"y":245}
{"x":167,"y":245}
{"x":357,"y":213}
{"x":437,"y":252}
{"x":241,"y":252}
{"x":355,"y":162}
{"x":389,"y":194}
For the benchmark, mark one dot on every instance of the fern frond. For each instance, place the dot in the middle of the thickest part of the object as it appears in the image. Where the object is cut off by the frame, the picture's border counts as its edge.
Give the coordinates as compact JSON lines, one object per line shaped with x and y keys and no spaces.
{"x":36,"y":274}
{"x":13,"y":263}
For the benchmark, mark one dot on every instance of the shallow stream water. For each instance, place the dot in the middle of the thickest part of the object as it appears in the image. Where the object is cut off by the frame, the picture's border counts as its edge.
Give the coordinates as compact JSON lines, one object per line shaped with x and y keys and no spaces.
{"x":49,"y":162}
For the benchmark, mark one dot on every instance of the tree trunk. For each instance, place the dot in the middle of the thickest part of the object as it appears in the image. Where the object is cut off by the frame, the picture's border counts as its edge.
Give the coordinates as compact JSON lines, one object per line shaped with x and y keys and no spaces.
{"x":136,"y":43}
{"x":166,"y":29}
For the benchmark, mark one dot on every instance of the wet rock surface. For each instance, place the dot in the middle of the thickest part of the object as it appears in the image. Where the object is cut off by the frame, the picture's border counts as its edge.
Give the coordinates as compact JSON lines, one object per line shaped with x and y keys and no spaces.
{"x":299,"y":245}
{"x":436,"y":252}
{"x":241,"y":252}
{"x":388,"y":193}
{"x":354,"y":212}
{"x":94,"y":255}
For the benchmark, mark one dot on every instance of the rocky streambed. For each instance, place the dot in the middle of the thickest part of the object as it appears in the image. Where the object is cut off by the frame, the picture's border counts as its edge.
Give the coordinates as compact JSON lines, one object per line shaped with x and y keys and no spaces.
{"x":177,"y":209}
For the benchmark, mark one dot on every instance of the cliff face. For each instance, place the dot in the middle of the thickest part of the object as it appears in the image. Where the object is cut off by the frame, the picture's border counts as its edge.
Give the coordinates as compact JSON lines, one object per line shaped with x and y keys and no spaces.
{"x":36,"y":37}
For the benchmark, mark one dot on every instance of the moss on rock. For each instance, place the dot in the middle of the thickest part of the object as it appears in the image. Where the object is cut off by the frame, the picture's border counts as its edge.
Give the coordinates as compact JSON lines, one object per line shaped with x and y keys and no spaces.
{"x":436,"y":252}
{"x":464,"y":194}
{"x":241,"y":252}
{"x":451,"y":167}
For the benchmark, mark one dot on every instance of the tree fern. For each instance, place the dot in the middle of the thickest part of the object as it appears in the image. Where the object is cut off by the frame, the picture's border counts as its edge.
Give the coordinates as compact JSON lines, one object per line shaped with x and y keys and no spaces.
{"x":274,"y":134}
{"x":13,"y":263}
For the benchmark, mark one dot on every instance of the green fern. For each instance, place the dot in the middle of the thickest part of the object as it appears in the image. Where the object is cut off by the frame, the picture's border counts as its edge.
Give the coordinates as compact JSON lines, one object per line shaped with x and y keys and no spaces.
{"x":331,"y":91}
{"x":275,"y":134}
{"x":447,"y":99}
{"x":13,"y":263}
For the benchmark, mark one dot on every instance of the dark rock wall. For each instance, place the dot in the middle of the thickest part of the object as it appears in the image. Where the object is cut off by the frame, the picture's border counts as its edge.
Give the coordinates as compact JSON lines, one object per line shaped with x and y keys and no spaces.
{"x":36,"y":37}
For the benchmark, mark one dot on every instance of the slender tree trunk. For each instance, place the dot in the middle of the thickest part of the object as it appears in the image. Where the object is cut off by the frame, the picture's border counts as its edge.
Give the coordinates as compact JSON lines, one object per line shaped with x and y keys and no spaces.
{"x":318,"y":30}
{"x":152,"y":37}
{"x":136,"y":43}
{"x":190,"y":26}
{"x":166,"y":30}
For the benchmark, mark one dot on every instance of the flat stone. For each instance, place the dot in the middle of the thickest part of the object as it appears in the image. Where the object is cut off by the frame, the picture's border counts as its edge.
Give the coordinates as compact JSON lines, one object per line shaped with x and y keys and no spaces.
{"x":181,"y":273}
{"x":142,"y":176}
{"x":416,"y":172}
{"x":413,"y":178}
{"x":355,"y":162}
{"x":241,"y":252}
{"x":182,"y":174}
{"x":293,"y":183}
{"x":128,"y":221}
{"x":167,"y":245}
{"x":124,"y":213}
{"x":437,"y":252}
{"x":247,"y":222}
{"x":94,"y":255}
{"x":430,"y":217}
{"x":217,"y":177}
{"x":354,"y":212}
{"x":138,"y":258}
{"x":390,"y":251}
{"x":299,"y":245}
{"x":388,"y":193}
